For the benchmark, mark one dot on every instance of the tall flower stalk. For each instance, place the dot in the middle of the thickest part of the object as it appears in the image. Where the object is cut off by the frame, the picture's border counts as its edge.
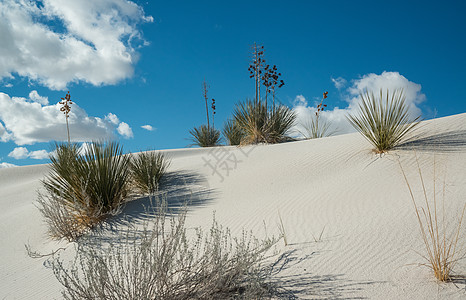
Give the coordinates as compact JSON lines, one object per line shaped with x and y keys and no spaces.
{"x":256,"y":67}
{"x":271,"y":80}
{"x":213,"y":113}
{"x":205,"y":88}
{"x":66,"y":108}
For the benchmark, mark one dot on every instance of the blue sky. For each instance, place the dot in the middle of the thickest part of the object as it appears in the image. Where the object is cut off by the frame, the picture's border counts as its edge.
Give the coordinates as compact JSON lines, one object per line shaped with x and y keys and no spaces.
{"x":144,"y":62}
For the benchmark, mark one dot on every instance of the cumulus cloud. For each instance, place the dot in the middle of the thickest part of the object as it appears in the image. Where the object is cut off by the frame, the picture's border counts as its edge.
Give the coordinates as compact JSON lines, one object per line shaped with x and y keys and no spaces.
{"x":370,"y":82}
{"x":339,"y":82}
{"x":19,"y":153}
{"x":34,"y":96}
{"x":27,"y":122}
{"x":54,"y":42}
{"x":148,"y":127}
{"x":112,"y":118}
{"x":125,"y":130}
{"x":23,"y":152}
{"x":8,"y":85}
{"x":6,"y":165}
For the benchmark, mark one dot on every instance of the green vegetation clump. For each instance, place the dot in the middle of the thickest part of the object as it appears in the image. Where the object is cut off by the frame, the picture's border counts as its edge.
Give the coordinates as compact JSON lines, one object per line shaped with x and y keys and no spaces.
{"x":262,"y":124}
{"x":82,"y":189}
{"x":205,"y":136}
{"x":147,"y":169}
{"x":163,"y":262}
{"x":384,"y":120}
{"x":232,"y":132}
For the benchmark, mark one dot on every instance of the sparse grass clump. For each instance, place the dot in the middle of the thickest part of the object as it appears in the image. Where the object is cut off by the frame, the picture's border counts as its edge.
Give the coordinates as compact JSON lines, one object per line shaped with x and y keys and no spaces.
{"x":147,"y":169}
{"x":82,"y":189}
{"x":441,"y":241}
{"x":233,"y":133}
{"x":263,"y":124}
{"x":384,"y":120}
{"x":314,"y":127}
{"x":163,"y":261}
{"x":205,"y":136}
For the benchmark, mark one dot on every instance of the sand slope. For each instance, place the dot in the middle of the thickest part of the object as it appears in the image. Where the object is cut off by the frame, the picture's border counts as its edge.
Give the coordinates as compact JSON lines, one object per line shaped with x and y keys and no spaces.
{"x":333,"y":185}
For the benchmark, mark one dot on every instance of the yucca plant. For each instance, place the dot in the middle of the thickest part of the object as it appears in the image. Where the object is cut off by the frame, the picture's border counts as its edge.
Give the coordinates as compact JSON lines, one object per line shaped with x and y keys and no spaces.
{"x":314,"y":127}
{"x":261,"y":124}
{"x":232,"y":132}
{"x":91,"y":185}
{"x":204,"y":136}
{"x":147,"y":169}
{"x":280,"y":120}
{"x":384,"y":120}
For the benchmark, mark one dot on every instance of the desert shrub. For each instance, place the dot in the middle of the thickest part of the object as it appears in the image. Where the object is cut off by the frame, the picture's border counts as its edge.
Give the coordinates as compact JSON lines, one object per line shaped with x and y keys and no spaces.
{"x":232,"y":132}
{"x":147,"y":169}
{"x":163,"y":262}
{"x":440,"y":240}
{"x":262,"y":124}
{"x":384,"y":120}
{"x":205,"y":136}
{"x":65,"y":220}
{"x":82,"y":189}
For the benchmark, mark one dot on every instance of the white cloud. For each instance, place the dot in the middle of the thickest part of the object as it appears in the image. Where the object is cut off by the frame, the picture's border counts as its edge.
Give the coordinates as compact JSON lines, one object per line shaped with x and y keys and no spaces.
{"x":371,"y":82}
{"x":8,"y":85}
{"x":34,"y":96}
{"x":19,"y":153}
{"x":339,"y":82}
{"x":39,"y":154}
{"x":28,"y":122}
{"x":125,"y":130}
{"x":54,"y":42}
{"x":23,"y":152}
{"x":112,"y":118}
{"x":148,"y":127}
{"x":300,"y":101}
{"x":6,"y":165}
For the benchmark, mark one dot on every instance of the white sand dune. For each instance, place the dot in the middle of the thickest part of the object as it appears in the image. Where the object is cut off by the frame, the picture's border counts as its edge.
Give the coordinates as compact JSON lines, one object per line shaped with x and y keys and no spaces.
{"x":335,"y":186}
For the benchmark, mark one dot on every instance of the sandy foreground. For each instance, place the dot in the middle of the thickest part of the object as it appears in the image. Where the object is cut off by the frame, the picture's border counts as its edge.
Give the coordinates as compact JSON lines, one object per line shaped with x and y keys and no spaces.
{"x":333,"y":187}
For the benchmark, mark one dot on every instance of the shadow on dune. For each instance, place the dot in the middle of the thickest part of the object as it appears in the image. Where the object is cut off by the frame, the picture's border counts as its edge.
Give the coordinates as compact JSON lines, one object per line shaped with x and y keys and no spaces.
{"x":180,"y":190}
{"x":177,"y":189}
{"x":451,"y":141}
{"x":307,"y":285}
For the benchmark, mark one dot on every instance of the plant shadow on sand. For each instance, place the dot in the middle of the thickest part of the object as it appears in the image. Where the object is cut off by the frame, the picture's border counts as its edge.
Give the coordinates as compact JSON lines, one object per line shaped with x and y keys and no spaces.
{"x":180,"y":190}
{"x":451,"y":141}
{"x":295,"y":286}
{"x":177,"y":189}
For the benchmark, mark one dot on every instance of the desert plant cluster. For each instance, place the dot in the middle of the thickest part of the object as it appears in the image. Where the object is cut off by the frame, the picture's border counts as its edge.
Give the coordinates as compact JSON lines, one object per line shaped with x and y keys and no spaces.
{"x":161,"y":261}
{"x":253,"y":121}
{"x":85,"y":186}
